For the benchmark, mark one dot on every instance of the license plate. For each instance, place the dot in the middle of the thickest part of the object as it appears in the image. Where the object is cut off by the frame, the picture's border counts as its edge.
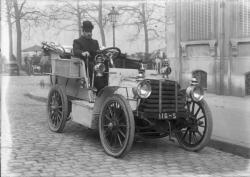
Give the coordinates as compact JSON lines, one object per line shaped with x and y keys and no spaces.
{"x":164,"y":116}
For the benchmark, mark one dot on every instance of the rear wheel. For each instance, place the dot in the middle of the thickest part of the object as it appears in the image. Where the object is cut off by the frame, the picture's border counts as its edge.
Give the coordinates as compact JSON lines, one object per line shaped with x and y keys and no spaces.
{"x":196,"y":135}
{"x":116,"y":126}
{"x":57,"y":108}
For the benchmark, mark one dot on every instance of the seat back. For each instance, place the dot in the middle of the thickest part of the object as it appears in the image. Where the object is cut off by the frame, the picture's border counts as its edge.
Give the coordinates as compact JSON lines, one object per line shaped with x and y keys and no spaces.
{"x":69,"y":68}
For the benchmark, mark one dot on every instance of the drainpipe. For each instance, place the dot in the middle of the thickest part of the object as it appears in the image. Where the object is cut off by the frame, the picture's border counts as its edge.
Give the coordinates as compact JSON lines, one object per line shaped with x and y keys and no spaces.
{"x":222,"y":47}
{"x":177,"y":40}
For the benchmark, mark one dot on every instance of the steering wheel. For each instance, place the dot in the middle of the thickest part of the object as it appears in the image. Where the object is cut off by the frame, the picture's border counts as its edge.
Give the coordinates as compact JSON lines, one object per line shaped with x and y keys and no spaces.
{"x":111,"y":53}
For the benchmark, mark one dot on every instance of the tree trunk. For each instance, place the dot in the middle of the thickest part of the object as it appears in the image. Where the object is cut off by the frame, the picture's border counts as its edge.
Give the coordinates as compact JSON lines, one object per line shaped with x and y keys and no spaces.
{"x":166,"y":27}
{"x":79,"y":25}
{"x":11,"y":40}
{"x":79,"y":19}
{"x":145,"y":27}
{"x":18,"y":33}
{"x":10,"y":28}
{"x":101,"y":24}
{"x":19,"y":42}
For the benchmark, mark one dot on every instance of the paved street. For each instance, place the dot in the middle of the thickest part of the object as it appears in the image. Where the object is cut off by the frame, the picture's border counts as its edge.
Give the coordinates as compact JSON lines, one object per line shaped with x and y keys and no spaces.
{"x":29,"y":148}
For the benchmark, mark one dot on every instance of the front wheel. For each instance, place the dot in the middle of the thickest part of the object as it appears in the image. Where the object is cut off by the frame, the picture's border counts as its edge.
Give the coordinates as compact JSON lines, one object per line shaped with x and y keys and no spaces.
{"x":116,"y":126}
{"x":57,"y":109}
{"x":196,"y":135}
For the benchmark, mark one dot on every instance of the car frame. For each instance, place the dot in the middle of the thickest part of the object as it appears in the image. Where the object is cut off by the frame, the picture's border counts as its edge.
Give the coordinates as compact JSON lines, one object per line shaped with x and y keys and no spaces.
{"x":134,"y":102}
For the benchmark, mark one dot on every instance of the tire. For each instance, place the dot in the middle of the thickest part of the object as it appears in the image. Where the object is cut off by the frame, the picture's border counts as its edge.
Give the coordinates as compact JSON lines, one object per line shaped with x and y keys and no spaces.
{"x":190,"y":137}
{"x":116,"y":126}
{"x":57,"y":108}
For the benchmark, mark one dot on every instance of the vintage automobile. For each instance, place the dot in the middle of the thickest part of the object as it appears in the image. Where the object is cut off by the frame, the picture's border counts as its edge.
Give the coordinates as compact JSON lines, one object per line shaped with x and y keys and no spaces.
{"x":133,"y":102}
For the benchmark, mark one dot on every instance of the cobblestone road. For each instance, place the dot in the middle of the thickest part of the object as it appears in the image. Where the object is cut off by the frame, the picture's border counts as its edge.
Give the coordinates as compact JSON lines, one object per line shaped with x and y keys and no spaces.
{"x":29,"y":148}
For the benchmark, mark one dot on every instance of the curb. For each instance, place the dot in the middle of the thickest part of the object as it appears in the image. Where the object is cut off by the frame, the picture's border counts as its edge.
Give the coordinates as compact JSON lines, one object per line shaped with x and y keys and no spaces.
{"x":230,"y":148}
{"x":37,"y":98}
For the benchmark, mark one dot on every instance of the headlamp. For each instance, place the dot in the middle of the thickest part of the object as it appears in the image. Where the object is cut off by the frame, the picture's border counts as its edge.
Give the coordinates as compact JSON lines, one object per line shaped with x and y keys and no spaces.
{"x":99,"y":69}
{"x":195,"y":92}
{"x":143,"y":89}
{"x":141,"y":71}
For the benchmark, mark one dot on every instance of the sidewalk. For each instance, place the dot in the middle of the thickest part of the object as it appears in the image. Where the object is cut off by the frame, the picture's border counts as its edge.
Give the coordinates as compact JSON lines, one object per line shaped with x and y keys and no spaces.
{"x":231,"y":123}
{"x":231,"y":118}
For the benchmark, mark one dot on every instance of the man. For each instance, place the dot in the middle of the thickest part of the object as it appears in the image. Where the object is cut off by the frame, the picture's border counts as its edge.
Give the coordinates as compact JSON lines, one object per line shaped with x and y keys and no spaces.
{"x":84,"y":47}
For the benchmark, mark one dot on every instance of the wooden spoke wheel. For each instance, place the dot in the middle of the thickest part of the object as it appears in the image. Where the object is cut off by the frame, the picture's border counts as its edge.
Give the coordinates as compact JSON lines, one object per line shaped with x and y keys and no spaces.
{"x":116,"y":126}
{"x":196,"y":135}
{"x":57,"y":109}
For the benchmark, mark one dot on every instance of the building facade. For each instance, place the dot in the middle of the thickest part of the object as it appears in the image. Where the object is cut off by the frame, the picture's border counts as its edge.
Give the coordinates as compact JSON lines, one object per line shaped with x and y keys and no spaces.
{"x":212,"y":43}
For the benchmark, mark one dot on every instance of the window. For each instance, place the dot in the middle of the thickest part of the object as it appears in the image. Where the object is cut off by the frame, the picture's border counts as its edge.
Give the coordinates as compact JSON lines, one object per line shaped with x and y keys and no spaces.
{"x":201,"y":77}
{"x":244,"y":18}
{"x":199,"y":19}
{"x":247,"y":83}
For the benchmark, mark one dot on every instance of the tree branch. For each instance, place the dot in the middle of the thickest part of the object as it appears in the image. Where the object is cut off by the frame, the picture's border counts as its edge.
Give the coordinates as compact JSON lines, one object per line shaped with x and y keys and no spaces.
{"x":21,"y":7}
{"x":92,"y":17}
{"x":31,"y":12}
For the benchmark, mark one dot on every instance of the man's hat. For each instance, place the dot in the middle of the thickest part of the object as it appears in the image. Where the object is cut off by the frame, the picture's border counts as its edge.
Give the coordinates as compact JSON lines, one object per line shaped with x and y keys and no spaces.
{"x":87,"y":26}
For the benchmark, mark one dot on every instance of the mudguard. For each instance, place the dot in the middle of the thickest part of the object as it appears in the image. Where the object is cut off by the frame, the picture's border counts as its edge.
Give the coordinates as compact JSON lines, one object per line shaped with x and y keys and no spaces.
{"x":109,"y":91}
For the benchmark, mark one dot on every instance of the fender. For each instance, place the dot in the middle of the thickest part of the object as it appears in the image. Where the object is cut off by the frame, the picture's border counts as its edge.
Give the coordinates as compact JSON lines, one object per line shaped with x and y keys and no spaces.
{"x":109,"y":91}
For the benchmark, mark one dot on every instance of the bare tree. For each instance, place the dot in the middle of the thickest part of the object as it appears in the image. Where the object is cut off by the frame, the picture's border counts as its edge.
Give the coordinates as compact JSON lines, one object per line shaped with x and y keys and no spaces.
{"x":23,"y":13}
{"x":9,"y":9}
{"x":146,"y":30}
{"x":72,"y":14}
{"x":101,"y":23}
{"x":143,"y":17}
{"x":67,"y":15}
{"x":98,"y":14}
{"x":18,"y":9}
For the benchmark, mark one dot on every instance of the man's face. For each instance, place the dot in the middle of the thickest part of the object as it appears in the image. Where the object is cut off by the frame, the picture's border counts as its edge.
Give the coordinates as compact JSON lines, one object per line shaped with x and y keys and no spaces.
{"x":87,"y":34}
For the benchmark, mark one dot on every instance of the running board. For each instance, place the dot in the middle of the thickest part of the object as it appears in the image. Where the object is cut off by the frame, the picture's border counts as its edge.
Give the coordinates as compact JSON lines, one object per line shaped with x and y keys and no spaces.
{"x":82,"y":113}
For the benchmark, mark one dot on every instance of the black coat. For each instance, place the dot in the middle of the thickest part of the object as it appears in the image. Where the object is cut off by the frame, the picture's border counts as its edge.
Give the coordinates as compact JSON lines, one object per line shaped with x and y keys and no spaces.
{"x":83,"y":44}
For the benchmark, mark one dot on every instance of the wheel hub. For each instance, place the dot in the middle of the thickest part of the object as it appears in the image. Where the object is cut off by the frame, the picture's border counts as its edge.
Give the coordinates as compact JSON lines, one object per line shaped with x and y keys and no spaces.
{"x":113,"y":125}
{"x":54,"y":107}
{"x":110,"y":125}
{"x":192,"y":122}
{"x":199,"y":123}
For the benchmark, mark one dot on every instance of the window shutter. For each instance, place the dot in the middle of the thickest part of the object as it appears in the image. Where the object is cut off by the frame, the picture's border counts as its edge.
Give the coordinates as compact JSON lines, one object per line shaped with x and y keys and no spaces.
{"x":244,"y":12}
{"x":247,"y":83}
{"x":199,"y":18}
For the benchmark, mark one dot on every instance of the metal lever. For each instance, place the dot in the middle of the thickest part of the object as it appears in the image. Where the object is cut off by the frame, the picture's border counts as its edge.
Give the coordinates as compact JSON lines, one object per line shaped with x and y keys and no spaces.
{"x":90,"y":92}
{"x":170,"y":133}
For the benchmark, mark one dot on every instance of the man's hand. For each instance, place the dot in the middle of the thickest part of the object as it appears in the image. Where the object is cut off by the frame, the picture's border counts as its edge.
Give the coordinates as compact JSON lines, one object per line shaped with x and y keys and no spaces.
{"x":85,"y":54}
